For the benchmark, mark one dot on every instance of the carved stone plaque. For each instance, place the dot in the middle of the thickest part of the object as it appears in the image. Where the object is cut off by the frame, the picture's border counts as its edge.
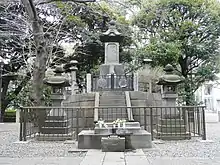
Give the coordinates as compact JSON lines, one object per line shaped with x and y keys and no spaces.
{"x":101,"y":83}
{"x":123,"y":83}
{"x":111,"y":53}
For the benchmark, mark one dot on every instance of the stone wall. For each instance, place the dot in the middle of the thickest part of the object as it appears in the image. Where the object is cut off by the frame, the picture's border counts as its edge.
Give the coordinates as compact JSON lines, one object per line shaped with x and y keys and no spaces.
{"x":84,"y":103}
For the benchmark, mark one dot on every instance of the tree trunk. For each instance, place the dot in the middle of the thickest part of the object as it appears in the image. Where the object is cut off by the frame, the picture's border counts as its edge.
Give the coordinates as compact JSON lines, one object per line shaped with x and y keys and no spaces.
{"x":189,"y":97}
{"x":41,"y":51}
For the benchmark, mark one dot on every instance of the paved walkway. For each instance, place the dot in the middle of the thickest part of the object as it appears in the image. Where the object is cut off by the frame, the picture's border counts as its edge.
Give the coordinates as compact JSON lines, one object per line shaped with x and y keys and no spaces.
{"x":58,"y":153}
{"x":95,"y":157}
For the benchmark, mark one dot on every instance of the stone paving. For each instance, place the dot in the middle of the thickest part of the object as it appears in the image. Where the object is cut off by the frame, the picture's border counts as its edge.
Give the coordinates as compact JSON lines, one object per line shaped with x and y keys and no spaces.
{"x":191,"y":152}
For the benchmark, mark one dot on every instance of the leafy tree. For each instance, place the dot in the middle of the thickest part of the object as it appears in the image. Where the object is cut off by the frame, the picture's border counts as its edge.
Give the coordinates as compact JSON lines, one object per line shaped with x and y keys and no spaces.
{"x":84,"y":24}
{"x":184,"y":33}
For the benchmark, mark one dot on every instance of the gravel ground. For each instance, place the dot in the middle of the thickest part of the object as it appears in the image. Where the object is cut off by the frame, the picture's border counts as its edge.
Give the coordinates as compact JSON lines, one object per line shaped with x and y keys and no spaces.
{"x":190,"y":148}
{"x":186,"y":148}
{"x":10,"y":148}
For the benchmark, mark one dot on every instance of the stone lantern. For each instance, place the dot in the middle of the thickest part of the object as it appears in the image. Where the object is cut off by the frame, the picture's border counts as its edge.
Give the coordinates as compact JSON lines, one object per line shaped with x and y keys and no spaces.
{"x":169,"y":82}
{"x":72,"y":68}
{"x":57,"y":82}
{"x":171,"y":125}
{"x":56,"y":121}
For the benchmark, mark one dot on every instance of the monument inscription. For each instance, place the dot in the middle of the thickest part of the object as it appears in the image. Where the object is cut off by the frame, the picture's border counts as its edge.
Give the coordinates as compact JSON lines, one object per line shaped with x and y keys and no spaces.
{"x":111,"y":53}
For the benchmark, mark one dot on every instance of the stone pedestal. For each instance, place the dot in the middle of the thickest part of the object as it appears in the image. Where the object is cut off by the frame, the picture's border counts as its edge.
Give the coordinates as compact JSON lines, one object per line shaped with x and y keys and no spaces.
{"x":113,"y":144}
{"x":117,"y":69}
{"x":130,"y":137}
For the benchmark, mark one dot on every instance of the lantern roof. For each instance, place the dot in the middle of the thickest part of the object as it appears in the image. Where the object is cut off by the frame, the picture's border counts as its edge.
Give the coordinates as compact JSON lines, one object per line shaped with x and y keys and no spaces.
{"x":57,"y":80}
{"x":169,"y":77}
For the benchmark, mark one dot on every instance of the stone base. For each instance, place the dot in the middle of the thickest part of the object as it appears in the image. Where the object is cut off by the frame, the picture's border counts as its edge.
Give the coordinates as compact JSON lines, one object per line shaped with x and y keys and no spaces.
{"x":87,"y":139}
{"x":172,"y":136}
{"x":141,"y":139}
{"x":113,"y":144}
{"x":106,"y":69}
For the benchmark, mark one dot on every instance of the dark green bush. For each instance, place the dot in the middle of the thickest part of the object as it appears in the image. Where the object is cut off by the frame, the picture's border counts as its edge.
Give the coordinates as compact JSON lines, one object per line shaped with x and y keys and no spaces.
{"x":10,"y":115}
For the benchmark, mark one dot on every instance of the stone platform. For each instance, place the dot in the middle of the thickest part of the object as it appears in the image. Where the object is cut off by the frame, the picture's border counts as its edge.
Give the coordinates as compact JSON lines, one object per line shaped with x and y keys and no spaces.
{"x":135,"y":137}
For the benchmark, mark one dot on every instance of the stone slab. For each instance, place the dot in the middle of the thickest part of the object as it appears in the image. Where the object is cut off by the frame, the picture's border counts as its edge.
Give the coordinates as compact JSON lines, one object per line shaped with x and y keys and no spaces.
{"x":127,"y":130}
{"x":137,"y":157}
{"x":141,"y":139}
{"x":93,"y":157}
{"x":103,"y":130}
{"x":114,"y":158}
{"x":113,"y":144}
{"x":87,"y":139}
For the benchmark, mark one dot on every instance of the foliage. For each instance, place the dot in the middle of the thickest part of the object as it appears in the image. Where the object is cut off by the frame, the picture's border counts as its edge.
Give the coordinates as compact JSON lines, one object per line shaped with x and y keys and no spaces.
{"x":88,"y":22}
{"x":184,"y":33}
{"x":77,"y":23}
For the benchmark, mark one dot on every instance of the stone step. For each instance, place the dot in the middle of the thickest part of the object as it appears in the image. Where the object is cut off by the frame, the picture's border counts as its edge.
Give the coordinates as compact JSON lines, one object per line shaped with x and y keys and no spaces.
{"x":115,"y":105}
{"x":112,"y":93}
{"x":57,"y":137}
{"x":171,"y":136}
{"x":117,"y":116}
{"x":107,"y":115}
{"x":56,"y":118}
{"x":55,"y":130}
{"x":112,"y":102}
{"x":171,"y":128}
{"x":112,"y":96}
{"x":171,"y":122}
{"x":56,"y":123}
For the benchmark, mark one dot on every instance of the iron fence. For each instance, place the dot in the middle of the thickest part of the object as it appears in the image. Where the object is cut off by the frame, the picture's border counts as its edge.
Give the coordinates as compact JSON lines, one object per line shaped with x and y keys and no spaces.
{"x":65,"y":122}
{"x":112,"y":82}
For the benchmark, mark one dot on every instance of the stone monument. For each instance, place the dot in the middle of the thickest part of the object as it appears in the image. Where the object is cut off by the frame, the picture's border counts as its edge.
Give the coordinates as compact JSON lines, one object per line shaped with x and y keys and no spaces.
{"x":111,"y":38}
{"x":56,"y":122}
{"x":171,"y":125}
{"x":112,"y":75}
{"x":169,"y":82}
{"x":72,"y":68}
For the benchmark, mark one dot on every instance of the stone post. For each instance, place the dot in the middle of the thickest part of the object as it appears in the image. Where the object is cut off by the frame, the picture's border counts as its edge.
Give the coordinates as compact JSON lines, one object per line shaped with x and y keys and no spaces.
{"x":88,"y":83}
{"x":17,"y":115}
{"x":150,"y":86}
{"x":73,"y":82}
{"x":71,"y":67}
{"x":135,"y":82}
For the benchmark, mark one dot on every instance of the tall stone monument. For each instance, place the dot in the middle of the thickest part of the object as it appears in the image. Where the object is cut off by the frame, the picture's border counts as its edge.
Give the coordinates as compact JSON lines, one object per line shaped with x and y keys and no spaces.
{"x":72,"y":68}
{"x":111,"y":38}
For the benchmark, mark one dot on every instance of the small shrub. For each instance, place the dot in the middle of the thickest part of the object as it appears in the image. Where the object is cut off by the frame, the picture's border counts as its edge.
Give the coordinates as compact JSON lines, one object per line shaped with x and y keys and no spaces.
{"x":10,"y":115}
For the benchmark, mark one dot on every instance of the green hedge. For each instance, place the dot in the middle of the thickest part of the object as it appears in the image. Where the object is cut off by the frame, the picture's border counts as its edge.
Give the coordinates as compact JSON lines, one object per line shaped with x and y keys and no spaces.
{"x":10,"y":115}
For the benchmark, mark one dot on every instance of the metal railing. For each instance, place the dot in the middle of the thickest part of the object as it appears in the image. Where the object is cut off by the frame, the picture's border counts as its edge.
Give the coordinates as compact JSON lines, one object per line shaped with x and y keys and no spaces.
{"x":65,"y":122}
{"x":112,"y":82}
